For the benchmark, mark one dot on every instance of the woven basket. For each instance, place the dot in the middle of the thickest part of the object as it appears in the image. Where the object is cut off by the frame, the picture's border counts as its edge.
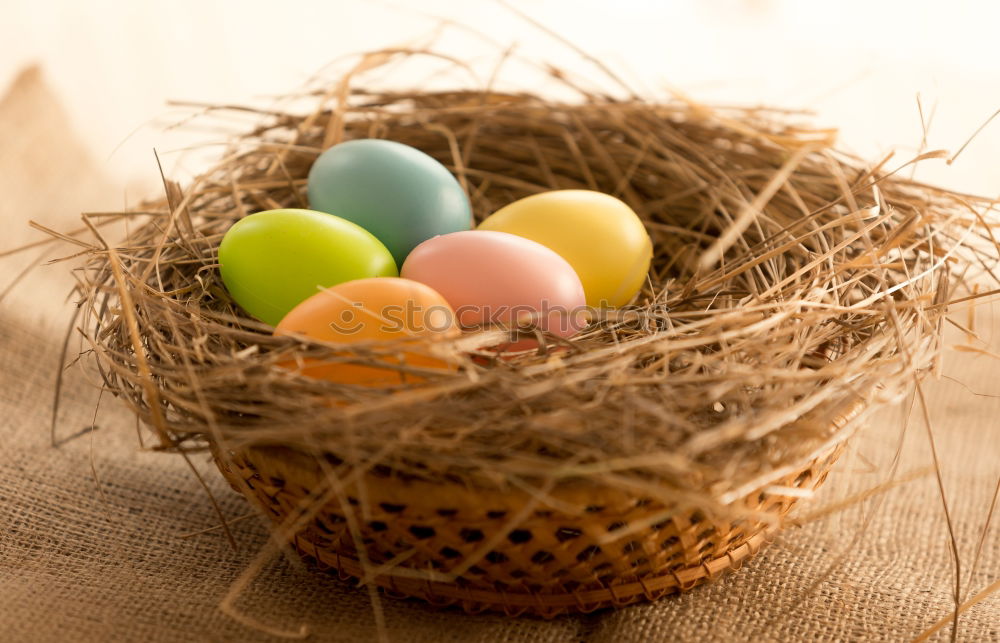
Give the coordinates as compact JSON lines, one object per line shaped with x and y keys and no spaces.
{"x":554,"y":561}
{"x":792,"y":288}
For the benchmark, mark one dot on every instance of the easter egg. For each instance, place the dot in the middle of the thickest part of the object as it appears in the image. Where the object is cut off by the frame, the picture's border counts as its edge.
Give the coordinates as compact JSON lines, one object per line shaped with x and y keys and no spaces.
{"x":394,"y":191}
{"x":493,"y":278}
{"x":599,"y":235}
{"x":408,"y":313}
{"x":270,"y":261}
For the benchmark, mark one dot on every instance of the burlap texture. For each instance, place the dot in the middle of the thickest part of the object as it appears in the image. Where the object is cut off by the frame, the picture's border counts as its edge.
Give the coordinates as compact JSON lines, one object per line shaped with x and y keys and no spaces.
{"x":85,"y":560}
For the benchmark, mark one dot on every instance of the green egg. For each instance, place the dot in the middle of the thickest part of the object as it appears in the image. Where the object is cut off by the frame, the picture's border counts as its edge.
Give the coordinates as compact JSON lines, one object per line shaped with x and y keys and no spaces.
{"x":271,"y":261}
{"x":394,"y":191}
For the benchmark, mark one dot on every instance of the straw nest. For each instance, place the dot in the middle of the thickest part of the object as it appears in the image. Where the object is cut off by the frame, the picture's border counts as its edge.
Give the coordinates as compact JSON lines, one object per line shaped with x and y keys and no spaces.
{"x":790,"y":283}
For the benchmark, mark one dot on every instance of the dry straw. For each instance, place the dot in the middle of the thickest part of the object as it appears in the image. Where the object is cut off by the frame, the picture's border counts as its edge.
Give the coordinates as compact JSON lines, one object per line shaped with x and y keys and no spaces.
{"x":793,"y":288}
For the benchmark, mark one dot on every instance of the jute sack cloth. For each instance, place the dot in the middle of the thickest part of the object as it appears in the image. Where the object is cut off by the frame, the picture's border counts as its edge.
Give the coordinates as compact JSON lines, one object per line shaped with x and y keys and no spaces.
{"x":92,"y":543}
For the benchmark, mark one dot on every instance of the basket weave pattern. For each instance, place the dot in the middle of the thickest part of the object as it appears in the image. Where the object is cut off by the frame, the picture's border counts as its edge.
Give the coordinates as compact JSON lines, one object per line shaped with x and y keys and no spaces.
{"x":552,"y":561}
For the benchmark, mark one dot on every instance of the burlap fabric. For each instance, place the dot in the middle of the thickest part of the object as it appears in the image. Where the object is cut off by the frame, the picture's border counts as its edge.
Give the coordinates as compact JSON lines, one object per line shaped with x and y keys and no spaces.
{"x":91,"y":544}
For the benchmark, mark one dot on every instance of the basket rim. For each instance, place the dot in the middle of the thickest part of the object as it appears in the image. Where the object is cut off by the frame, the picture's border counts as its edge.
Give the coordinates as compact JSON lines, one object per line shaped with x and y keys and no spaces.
{"x":581,"y":490}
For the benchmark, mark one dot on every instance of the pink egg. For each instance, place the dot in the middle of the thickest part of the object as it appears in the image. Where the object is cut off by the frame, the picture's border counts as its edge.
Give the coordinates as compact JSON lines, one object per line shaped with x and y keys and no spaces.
{"x":492,"y":278}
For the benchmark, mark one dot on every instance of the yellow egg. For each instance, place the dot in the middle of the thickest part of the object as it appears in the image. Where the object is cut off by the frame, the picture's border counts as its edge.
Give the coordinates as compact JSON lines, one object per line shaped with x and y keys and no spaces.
{"x":599,"y":235}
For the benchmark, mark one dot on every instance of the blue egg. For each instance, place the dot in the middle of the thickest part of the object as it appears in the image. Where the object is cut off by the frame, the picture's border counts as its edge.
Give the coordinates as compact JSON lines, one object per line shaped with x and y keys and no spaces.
{"x":396,"y":192}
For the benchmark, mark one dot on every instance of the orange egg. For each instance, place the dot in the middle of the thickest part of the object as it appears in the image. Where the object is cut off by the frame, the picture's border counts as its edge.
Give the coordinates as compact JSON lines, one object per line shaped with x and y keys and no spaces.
{"x":409,"y":314}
